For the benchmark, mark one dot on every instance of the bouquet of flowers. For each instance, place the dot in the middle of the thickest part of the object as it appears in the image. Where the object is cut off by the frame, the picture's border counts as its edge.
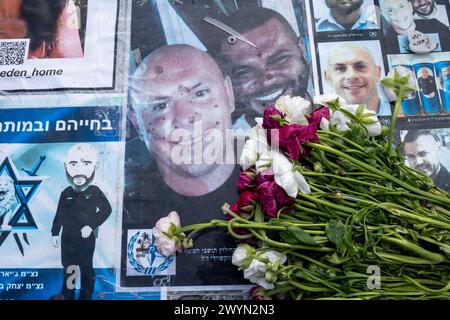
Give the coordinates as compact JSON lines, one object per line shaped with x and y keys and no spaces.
{"x":329,"y":210}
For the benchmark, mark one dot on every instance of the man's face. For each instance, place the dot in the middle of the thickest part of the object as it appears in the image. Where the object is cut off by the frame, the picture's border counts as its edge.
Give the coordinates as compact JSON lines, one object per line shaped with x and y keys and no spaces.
{"x":423,"y":155}
{"x":353,"y":74}
{"x":185,"y":95}
{"x":344,"y":6}
{"x":446,"y":71}
{"x":423,"y":7}
{"x":399,"y":13}
{"x":81,"y":162}
{"x":260,"y":76}
{"x":424,"y":73}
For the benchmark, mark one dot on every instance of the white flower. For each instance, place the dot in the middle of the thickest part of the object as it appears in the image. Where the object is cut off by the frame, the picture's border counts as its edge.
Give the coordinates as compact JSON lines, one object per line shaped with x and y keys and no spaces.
{"x":325,"y":100}
{"x":165,"y":242}
{"x":402,"y":72}
{"x":256,"y":272}
{"x":373,"y":129}
{"x":254,"y":146}
{"x":338,"y":121}
{"x":294,"y":109}
{"x":292,"y":182}
{"x":264,"y":161}
{"x":241,"y":255}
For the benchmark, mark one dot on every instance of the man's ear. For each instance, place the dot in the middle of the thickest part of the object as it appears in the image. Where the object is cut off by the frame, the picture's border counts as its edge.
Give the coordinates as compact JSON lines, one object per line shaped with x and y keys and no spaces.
{"x":378,"y":73}
{"x":230,"y":93}
{"x":327,"y":76}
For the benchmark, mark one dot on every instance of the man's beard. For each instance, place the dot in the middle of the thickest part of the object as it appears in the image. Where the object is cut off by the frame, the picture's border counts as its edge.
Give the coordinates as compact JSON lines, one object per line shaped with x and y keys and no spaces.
{"x":348,"y":10}
{"x":244,"y":106}
{"x":86,"y":184}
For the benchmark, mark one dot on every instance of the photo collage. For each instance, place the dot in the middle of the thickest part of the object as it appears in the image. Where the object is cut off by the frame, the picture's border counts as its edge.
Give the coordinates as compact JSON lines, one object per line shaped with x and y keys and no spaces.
{"x":358,"y":42}
{"x":97,"y":95}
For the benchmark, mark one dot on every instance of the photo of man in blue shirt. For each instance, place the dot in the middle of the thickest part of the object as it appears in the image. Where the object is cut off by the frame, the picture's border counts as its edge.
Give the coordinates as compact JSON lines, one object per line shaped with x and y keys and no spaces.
{"x":346,"y":15}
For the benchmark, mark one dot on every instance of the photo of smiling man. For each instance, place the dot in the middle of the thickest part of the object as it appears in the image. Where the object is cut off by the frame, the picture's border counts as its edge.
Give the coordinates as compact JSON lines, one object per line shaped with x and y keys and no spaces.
{"x":351,"y":71}
{"x":277,"y":67}
{"x":431,"y":9}
{"x":341,"y":15}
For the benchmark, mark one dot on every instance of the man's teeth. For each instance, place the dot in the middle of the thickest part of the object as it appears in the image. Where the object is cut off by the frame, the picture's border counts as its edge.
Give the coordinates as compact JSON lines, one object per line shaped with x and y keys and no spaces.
{"x":271,"y":96}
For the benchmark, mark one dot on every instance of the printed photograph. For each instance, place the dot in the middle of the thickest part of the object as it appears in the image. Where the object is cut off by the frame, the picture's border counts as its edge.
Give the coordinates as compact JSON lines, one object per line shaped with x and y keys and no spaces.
{"x":430,"y":73}
{"x":337,"y":15}
{"x":353,"y":70}
{"x":428,"y":151}
{"x":58,"y":44}
{"x":401,"y":17}
{"x":175,"y":104}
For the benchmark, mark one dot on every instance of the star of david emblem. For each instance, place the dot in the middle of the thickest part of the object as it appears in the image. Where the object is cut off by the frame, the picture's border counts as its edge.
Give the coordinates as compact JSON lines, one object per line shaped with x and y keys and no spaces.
{"x":25,"y":188}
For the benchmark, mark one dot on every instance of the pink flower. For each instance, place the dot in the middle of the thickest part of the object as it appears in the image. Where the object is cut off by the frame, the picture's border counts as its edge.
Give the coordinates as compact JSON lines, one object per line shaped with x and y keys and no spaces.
{"x":292,"y":138}
{"x":167,"y":243}
{"x":247,"y":200}
{"x":316,"y":116}
{"x":269,"y":122}
{"x":246,"y":180}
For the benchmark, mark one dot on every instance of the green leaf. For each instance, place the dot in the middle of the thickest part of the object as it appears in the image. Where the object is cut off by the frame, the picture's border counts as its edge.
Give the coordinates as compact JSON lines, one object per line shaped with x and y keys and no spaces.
{"x":296,"y":235}
{"x":360,"y":111}
{"x":335,"y":231}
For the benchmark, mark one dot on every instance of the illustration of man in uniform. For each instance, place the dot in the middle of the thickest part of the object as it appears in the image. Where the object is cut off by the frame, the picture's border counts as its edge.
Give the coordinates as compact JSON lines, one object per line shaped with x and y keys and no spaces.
{"x":7,"y":200}
{"x":422,"y":149}
{"x":82,"y":209}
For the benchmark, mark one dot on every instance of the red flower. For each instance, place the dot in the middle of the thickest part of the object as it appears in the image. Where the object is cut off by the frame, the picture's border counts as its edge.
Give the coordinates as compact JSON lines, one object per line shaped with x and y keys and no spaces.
{"x":246,"y":201}
{"x":283,"y":200}
{"x":291,"y":140}
{"x":267,"y":198}
{"x":246,"y":180}
{"x":268,"y":121}
{"x":316,"y":116}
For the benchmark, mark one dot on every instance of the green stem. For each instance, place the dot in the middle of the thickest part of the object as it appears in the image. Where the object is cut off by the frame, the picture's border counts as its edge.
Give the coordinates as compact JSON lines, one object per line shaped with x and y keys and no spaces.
{"x":398,"y":104}
{"x":379,"y":172}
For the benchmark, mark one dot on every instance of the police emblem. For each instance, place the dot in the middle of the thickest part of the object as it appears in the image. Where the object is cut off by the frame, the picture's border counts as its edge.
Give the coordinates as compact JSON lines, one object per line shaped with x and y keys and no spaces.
{"x":143,"y":258}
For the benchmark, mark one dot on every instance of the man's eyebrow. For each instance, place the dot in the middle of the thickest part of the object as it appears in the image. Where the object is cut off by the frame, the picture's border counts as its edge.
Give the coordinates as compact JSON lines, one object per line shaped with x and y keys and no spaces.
{"x":280,"y":51}
{"x":199,"y":84}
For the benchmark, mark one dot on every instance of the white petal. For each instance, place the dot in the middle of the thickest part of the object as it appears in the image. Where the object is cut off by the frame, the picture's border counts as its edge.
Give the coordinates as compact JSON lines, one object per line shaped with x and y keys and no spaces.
{"x":239,"y":255}
{"x":325,"y":124}
{"x":303,"y":186}
{"x":284,"y":177}
{"x":249,"y":154}
{"x":264,"y":161}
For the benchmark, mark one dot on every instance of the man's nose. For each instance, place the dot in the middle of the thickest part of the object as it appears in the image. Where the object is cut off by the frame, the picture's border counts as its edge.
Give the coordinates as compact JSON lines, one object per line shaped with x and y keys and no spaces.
{"x":351,"y":73}
{"x":186,"y":114}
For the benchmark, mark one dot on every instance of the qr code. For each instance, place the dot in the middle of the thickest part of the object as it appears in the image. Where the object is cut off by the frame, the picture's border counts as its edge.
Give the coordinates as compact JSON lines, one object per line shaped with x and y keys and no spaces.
{"x":12,"y":52}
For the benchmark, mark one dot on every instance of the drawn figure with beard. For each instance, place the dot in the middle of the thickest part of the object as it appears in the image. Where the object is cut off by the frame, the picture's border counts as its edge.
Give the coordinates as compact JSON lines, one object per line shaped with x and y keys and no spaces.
{"x":345,"y":15}
{"x":422,"y":149}
{"x":82,"y":208}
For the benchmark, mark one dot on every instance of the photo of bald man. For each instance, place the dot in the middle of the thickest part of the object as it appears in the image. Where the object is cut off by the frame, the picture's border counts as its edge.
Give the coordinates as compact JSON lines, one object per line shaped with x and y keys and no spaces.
{"x":352,"y":71}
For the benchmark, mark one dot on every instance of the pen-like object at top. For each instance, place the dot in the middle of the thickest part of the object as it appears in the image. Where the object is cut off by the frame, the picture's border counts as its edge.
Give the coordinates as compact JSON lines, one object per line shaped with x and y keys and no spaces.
{"x":226,"y":28}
